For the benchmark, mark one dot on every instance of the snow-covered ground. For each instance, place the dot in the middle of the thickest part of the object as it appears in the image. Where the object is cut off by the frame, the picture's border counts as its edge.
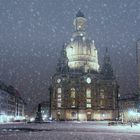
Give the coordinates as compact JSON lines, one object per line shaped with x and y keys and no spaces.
{"x":69,"y":131}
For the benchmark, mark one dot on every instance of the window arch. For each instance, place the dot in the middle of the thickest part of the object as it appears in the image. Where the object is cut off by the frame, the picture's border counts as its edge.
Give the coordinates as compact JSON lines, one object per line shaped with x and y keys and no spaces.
{"x":72,"y":92}
{"x":88,"y":93}
{"x":59,"y":90}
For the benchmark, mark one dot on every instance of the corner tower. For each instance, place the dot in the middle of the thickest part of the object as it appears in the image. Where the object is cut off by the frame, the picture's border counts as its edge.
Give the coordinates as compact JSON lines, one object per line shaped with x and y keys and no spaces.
{"x":107,"y":70}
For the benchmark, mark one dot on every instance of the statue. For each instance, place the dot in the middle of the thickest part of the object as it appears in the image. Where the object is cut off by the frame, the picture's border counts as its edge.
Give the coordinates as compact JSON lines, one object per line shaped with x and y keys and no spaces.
{"x":39,"y":114}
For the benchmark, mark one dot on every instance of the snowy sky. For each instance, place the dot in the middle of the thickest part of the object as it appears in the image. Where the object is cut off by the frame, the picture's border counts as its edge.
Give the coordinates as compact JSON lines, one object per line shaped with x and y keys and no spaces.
{"x":32,"y":33}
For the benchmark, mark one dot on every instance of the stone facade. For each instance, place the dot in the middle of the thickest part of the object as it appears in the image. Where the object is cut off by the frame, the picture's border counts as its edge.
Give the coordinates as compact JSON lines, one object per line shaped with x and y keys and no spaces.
{"x":79,"y":90}
{"x":128,"y":108}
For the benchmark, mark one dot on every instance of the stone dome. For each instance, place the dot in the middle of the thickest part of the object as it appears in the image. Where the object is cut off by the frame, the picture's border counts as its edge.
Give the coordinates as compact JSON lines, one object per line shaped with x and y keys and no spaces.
{"x":81,"y":51}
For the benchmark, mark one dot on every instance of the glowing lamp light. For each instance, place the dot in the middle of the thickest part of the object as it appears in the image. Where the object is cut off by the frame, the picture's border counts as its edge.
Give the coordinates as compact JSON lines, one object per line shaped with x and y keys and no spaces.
{"x":50,"y":118}
{"x":79,"y":26}
{"x":32,"y":119}
{"x":84,"y":38}
{"x":89,"y":113}
{"x":71,"y":39}
{"x":131,"y":113}
{"x":44,"y":117}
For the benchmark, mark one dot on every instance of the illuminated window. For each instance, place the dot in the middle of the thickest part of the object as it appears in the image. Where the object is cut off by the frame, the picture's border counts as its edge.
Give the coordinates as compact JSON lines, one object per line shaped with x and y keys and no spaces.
{"x":88,"y":100}
{"x":101,"y":102}
{"x":59,"y":99}
{"x":88,"y":113}
{"x":73,"y":103}
{"x":88,"y":105}
{"x":72,"y":93}
{"x":58,"y":113}
{"x":59,"y":95}
{"x":88,"y":93}
{"x":58,"y":104}
{"x":59,"y":90}
{"x":79,"y":26}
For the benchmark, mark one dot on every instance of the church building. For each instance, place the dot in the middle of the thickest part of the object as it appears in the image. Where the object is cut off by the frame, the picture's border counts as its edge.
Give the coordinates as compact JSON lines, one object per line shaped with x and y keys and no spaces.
{"x":81,"y":89}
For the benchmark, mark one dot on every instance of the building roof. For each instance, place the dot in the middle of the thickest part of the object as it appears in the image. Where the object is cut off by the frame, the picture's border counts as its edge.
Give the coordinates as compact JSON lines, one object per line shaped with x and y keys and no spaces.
{"x":10,"y":90}
{"x":128,"y":97}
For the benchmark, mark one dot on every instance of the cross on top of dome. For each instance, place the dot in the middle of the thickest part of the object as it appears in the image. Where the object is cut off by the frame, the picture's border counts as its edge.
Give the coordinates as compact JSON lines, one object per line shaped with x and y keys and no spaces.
{"x":80,"y":14}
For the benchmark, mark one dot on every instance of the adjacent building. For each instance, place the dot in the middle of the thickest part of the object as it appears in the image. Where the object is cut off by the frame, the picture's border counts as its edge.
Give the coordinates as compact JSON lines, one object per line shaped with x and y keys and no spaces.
{"x":81,"y":89}
{"x":11,"y":104}
{"x":128,"y":108}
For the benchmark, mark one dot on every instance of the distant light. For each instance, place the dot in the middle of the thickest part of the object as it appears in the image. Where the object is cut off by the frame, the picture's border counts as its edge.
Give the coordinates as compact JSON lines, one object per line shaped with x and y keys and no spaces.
{"x":79,"y":26}
{"x":71,"y":39}
{"x":88,"y":113}
{"x":131,"y":113}
{"x":32,"y":119}
{"x":81,"y":34}
{"x":84,"y":38}
{"x":3,"y":118}
{"x":19,"y":118}
{"x":50,"y":118}
{"x":44,"y":117}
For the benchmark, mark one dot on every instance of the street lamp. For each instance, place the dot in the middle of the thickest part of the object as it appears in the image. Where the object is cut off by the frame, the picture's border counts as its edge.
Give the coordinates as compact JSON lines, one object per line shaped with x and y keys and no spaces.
{"x":132,"y":115}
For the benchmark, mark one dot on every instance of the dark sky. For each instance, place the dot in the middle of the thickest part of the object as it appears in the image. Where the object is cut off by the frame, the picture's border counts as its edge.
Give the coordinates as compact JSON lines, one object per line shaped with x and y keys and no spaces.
{"x":32,"y":33}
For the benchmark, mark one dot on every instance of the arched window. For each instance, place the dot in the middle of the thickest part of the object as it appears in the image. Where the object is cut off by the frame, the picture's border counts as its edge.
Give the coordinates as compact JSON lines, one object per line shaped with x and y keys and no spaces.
{"x":88,"y":105}
{"x":59,"y":90}
{"x":58,"y":105}
{"x":88,"y":93}
{"x":72,"y":92}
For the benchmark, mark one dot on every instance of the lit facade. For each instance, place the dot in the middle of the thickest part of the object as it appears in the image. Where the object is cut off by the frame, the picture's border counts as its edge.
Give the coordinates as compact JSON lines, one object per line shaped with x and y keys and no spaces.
{"x":79,"y":90}
{"x":128,"y":108}
{"x":11,"y":104}
{"x":81,"y":51}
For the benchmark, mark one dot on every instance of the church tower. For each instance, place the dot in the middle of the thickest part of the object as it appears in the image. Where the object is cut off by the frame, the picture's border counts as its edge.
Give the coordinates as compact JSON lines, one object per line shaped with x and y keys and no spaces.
{"x":79,"y":90}
{"x":107,"y":69}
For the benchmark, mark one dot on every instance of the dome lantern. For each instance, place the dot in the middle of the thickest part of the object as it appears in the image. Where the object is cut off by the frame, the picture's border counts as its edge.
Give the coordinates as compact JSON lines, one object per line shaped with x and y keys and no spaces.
{"x":79,"y":21}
